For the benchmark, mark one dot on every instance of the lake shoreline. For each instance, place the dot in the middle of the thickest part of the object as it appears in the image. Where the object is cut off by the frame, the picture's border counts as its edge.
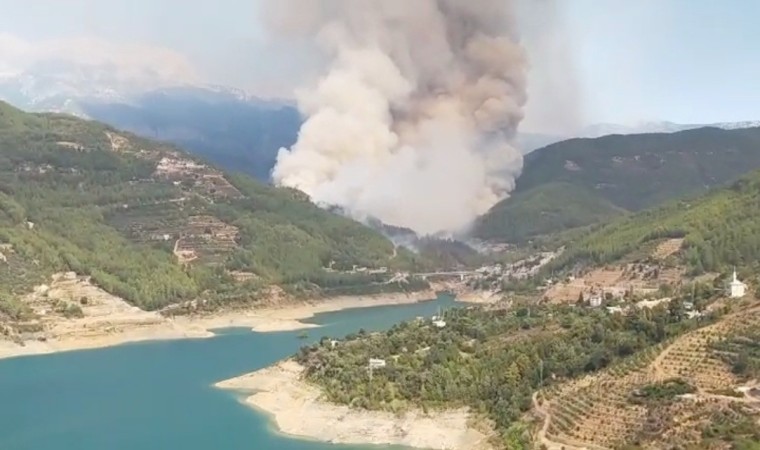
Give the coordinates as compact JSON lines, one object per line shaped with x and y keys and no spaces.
{"x":298,"y":411}
{"x":135,"y":325}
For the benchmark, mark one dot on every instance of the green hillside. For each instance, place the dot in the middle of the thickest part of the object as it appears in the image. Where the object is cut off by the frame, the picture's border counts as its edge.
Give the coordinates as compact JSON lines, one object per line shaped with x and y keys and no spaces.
{"x":490,"y":360}
{"x":151,"y":224}
{"x":544,"y":209}
{"x":617,"y":173}
{"x":721,"y":229}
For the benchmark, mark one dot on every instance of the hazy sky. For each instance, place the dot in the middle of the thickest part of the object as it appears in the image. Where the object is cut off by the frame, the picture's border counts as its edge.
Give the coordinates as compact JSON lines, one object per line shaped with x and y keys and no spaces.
{"x":690,"y":61}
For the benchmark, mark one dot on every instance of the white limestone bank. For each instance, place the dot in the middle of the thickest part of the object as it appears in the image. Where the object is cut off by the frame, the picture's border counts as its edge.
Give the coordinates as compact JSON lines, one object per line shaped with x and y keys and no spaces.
{"x":108,"y":320}
{"x":298,"y":411}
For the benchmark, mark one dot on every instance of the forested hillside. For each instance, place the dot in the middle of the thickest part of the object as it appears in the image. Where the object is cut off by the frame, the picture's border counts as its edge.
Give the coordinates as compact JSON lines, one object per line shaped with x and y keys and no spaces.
{"x":489,"y":360}
{"x":152,"y":225}
{"x":721,"y":229}
{"x":543,"y":210}
{"x":581,"y":181}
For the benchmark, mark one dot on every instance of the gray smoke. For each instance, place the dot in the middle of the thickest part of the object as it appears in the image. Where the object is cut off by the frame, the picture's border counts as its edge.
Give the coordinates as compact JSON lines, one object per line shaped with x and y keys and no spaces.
{"x":413,"y":119}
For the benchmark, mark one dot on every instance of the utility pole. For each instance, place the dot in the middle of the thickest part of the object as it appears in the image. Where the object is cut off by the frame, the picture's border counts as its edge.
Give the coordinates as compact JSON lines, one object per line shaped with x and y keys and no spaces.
{"x":541,"y":372}
{"x":373,"y":364}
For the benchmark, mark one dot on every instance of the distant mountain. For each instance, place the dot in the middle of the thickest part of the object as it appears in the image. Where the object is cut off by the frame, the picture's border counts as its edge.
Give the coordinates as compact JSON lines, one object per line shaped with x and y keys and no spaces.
{"x":582,"y":181}
{"x":529,"y":142}
{"x":238,"y":133}
{"x":606,"y":129}
{"x":224,"y":125}
{"x":59,"y":86}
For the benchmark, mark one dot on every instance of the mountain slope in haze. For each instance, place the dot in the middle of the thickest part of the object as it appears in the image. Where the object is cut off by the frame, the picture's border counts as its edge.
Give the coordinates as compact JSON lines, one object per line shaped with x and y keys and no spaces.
{"x":606,"y":129}
{"x":720,"y":230}
{"x":528,"y":142}
{"x":221,"y":124}
{"x":232,"y":131}
{"x":616,"y":174}
{"x":155,"y":226}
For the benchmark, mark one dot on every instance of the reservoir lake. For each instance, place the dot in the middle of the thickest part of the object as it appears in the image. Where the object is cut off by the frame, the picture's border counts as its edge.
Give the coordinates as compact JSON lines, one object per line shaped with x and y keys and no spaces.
{"x":159,"y":395}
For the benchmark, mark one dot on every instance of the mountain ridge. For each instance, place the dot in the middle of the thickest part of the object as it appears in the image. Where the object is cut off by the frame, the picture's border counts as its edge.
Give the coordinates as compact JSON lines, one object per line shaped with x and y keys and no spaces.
{"x":65,"y":89}
{"x":718,"y":229}
{"x":630,"y":173}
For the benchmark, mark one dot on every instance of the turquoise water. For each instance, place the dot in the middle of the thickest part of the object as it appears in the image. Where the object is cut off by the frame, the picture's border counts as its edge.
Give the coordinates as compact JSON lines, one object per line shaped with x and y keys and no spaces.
{"x":159,"y":395}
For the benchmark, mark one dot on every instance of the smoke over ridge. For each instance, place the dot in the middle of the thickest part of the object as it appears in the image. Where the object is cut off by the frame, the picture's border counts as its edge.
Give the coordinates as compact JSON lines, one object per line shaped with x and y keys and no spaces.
{"x":413,"y":119}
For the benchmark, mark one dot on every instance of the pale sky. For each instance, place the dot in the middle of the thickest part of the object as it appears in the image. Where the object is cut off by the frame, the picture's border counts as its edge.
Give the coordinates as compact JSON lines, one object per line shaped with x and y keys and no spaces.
{"x":687,"y":61}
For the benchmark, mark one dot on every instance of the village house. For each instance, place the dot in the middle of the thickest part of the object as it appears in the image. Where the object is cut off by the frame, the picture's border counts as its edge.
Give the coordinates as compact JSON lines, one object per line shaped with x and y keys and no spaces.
{"x":595,"y":300}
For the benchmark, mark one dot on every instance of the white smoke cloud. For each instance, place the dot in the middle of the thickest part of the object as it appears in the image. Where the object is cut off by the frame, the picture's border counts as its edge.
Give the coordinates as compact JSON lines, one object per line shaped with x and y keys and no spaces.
{"x":413,"y":120}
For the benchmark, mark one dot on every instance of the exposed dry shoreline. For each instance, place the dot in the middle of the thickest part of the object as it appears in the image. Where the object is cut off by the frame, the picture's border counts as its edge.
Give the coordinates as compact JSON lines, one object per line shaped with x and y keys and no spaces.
{"x":298,"y":411}
{"x":109,"y":320}
{"x":289,"y":316}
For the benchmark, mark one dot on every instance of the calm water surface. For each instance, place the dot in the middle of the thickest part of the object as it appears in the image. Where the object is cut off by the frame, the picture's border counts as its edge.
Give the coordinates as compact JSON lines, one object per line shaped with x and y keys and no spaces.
{"x":159,"y":395}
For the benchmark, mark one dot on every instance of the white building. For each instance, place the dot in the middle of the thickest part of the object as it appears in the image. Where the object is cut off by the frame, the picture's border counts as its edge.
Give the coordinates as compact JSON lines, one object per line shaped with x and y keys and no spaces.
{"x":375,"y":363}
{"x":595,"y":300}
{"x":615,"y":310}
{"x":737,"y":289}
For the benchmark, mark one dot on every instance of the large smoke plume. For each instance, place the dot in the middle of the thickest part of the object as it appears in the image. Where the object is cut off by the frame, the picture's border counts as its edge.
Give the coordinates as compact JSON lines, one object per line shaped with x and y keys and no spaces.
{"x":412,"y":121}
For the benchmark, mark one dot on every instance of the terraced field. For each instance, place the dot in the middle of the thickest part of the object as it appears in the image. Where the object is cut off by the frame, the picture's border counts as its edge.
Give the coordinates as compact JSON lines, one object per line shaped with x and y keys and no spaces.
{"x":638,"y":279}
{"x":601,"y":411}
{"x":205,"y":237}
{"x":594,"y":412}
{"x":668,"y":248}
{"x":148,"y":223}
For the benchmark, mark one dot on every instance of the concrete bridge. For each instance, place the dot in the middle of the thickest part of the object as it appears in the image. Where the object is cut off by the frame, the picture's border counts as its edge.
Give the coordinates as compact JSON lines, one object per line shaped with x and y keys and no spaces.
{"x":460,"y":274}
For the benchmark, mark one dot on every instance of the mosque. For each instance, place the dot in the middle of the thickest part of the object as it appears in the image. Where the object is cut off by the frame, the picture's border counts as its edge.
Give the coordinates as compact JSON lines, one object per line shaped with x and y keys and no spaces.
{"x":736,"y":288}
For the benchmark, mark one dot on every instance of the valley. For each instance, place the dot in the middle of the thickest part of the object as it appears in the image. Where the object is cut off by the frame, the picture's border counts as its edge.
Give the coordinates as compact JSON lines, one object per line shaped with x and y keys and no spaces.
{"x":379,"y":225}
{"x":588,"y":319}
{"x":166,"y":233}
{"x":630,"y":334}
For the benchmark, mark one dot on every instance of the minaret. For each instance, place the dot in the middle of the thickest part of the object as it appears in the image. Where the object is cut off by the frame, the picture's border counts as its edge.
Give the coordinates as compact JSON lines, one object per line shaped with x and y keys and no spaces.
{"x":737,"y":288}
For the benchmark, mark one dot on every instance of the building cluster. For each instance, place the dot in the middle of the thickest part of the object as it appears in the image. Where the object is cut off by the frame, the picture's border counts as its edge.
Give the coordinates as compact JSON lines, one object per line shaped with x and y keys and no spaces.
{"x":357,"y":269}
{"x":735,"y":289}
{"x":204,"y":179}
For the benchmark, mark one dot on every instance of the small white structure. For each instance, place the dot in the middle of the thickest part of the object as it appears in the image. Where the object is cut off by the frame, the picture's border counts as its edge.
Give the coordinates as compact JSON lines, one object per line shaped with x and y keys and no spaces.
{"x":615,"y":310}
{"x":737,"y":289}
{"x":595,"y":300}
{"x":376,"y":363}
{"x":438,"y":320}
{"x":693,"y":314}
